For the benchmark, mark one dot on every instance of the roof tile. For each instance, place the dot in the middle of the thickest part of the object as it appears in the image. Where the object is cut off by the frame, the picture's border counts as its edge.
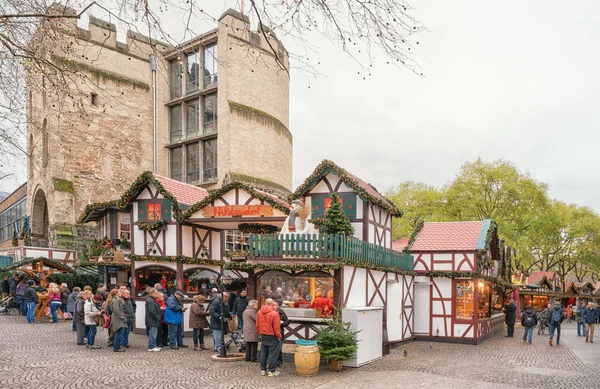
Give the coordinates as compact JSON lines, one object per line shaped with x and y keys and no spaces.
{"x":185,"y":194}
{"x":448,"y":236}
{"x":400,"y":244}
{"x":536,"y":276}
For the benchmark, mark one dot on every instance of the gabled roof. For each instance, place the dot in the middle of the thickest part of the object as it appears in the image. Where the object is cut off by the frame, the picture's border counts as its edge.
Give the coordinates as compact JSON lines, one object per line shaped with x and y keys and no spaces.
{"x":47,"y":262}
{"x":185,"y":194}
{"x":571,"y":289}
{"x":400,"y":244}
{"x":365,"y":190}
{"x":452,"y":236}
{"x":536,"y":276}
{"x":584,"y":285}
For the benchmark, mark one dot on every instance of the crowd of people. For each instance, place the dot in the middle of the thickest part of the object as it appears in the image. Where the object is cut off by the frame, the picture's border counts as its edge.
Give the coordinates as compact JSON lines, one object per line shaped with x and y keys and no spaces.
{"x":552,"y":317}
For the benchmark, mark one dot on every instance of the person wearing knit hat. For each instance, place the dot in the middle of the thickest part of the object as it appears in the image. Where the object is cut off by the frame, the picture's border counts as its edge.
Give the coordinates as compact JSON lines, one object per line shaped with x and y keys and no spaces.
{"x":92,"y":312}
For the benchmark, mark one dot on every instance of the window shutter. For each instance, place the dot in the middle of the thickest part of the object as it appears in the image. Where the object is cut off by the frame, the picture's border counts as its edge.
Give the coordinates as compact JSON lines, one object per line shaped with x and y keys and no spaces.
{"x":166,"y":210}
{"x":318,"y":205}
{"x":142,"y":211}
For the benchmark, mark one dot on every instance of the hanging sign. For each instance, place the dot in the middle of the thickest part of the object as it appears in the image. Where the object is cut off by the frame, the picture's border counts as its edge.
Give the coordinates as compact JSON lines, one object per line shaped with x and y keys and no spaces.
{"x":237,"y":210}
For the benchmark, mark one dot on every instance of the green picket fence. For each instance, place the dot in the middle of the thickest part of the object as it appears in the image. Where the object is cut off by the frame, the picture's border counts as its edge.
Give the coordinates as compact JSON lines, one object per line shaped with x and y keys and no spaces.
{"x":327,"y":246}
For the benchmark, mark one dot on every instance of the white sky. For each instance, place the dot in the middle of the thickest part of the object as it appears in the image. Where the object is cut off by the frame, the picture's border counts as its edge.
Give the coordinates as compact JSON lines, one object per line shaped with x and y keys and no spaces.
{"x":515,"y":80}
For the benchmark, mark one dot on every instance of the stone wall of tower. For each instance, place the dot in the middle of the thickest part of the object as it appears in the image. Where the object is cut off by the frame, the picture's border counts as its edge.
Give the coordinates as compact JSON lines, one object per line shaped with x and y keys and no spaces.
{"x":89,"y":144}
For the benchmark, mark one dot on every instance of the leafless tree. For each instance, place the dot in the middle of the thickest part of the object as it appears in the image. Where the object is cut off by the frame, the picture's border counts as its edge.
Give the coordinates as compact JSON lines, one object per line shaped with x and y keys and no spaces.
{"x":364,"y":29}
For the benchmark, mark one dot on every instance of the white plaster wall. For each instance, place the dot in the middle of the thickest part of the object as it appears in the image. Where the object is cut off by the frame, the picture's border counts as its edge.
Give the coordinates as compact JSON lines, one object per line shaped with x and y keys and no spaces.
{"x":426,"y":258}
{"x":356,"y":297}
{"x":459,"y":330}
{"x":445,"y":286}
{"x":216,"y":246}
{"x":186,"y":242}
{"x":171,"y":239}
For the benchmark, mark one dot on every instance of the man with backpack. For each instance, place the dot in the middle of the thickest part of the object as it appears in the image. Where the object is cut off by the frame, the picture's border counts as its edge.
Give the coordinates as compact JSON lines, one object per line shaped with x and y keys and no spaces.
{"x":557,"y":315}
{"x":528,"y":321}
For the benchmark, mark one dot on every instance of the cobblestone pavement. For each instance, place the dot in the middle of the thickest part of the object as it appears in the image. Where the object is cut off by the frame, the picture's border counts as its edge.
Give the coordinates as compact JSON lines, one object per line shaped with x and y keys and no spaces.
{"x":45,"y":355}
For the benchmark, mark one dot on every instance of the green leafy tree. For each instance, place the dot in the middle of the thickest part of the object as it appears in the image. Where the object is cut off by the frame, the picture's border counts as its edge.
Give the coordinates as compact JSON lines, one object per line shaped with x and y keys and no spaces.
{"x":335,"y":220}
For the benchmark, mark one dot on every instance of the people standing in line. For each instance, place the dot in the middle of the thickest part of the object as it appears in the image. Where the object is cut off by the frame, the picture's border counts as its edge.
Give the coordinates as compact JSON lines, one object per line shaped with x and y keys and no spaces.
{"x":284,"y":321}
{"x":268,"y":326}
{"x":528,"y":321}
{"x":250,"y":332}
{"x":79,"y":316}
{"x":580,"y":322}
{"x":20,"y":298}
{"x":13,"y":281}
{"x":198,"y":322}
{"x":129,"y":316}
{"x":118,"y":319}
{"x":31,"y":299}
{"x":5,"y":286}
{"x":101,"y":290}
{"x":217,"y":309}
{"x":240,"y":306}
{"x":557,"y":315}
{"x":55,"y":300}
{"x":91,"y":313}
{"x":64,"y":298}
{"x":590,"y":315}
{"x":71,"y":305}
{"x":510,"y":312}
{"x":233,"y":295}
{"x":163,"y":333}
{"x":174,"y":317}
{"x":153,"y":318}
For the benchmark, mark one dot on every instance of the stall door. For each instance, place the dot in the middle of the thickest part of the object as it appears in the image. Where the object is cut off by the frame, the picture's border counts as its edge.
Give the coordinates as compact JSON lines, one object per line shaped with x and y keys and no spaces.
{"x":421,"y":308}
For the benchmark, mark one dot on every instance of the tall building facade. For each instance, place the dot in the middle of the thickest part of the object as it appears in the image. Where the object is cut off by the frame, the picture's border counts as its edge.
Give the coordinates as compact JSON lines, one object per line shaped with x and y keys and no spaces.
{"x":222,"y":114}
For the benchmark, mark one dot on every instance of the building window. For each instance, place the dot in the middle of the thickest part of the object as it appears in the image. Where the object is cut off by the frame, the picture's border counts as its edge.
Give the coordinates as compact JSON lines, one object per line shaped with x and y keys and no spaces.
{"x":192,"y":115}
{"x":175,"y":79}
{"x":210,"y":66}
{"x":210,"y":114}
{"x":94,"y":99}
{"x":209,"y":160}
{"x":175,"y":123}
{"x":236,"y":240}
{"x":154,"y":212}
{"x":12,"y":220}
{"x":464,"y":299}
{"x":176,"y":163}
{"x":192,"y":72}
{"x":483,"y":300}
{"x":192,"y":157}
{"x":124,"y":226}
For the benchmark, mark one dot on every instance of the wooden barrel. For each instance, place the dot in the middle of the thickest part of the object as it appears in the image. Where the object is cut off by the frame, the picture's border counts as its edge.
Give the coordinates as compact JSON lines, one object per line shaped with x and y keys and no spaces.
{"x":306,"y":360}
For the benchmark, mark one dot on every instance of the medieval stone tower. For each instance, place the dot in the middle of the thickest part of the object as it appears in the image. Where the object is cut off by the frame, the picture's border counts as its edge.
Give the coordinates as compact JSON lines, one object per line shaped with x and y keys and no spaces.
{"x":222,"y":114}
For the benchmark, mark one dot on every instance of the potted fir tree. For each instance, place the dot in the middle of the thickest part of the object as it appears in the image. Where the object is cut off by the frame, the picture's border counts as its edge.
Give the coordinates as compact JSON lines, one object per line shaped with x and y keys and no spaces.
{"x":335,"y":220}
{"x":337,"y":342}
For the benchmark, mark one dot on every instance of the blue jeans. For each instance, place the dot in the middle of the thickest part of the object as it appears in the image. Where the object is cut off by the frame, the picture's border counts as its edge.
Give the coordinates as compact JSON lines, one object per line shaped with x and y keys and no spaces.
{"x":175,"y":335}
{"x":126,"y":332}
{"x":91,"y":335}
{"x":528,"y":334}
{"x":580,"y":328}
{"x":54,"y":305}
{"x":554,"y":325}
{"x":240,"y":322}
{"x":198,"y":335}
{"x":118,"y":342}
{"x":217,"y":335}
{"x":22,"y":305}
{"x":30,"y":311}
{"x":152,"y":333}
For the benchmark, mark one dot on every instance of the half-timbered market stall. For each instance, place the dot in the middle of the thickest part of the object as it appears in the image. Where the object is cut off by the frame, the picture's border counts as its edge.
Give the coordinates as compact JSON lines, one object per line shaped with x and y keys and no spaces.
{"x":459,"y":287}
{"x":181,"y":234}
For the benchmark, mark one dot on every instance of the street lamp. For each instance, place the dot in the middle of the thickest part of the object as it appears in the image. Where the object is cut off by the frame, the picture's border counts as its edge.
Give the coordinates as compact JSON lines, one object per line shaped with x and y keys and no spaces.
{"x":225,"y":280}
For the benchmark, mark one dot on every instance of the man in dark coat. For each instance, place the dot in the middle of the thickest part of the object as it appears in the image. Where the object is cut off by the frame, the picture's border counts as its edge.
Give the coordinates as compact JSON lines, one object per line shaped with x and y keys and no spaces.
{"x":510,"y":315}
{"x":284,"y":321}
{"x":240,"y":306}
{"x":153,"y":319}
{"x":217,"y":309}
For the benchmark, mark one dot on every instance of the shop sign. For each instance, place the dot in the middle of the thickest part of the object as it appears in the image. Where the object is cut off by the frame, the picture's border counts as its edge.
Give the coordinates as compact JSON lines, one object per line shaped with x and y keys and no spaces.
{"x":112,"y":269}
{"x":237,"y":210}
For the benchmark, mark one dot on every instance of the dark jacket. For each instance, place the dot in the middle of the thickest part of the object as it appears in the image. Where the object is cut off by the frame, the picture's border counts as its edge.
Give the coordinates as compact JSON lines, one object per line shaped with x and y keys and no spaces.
{"x":30,"y":295}
{"x":215,"y":310}
{"x":283,"y":318}
{"x":590,"y":316}
{"x":129,"y":311}
{"x":5,"y":286}
{"x":71,"y":302}
{"x":79,"y":311}
{"x":198,"y":316}
{"x":153,"y":313}
{"x":232,"y":299}
{"x":240,"y":305}
{"x":511,"y":314}
{"x":528,"y":313}
{"x":64,"y":295}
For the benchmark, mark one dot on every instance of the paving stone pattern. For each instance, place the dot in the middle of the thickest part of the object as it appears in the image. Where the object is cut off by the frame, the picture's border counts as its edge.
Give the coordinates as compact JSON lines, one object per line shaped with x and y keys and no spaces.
{"x":45,"y":355}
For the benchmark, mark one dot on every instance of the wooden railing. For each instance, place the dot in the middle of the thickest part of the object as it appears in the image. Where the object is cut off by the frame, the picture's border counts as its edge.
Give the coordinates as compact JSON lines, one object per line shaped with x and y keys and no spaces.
{"x":350,"y":249}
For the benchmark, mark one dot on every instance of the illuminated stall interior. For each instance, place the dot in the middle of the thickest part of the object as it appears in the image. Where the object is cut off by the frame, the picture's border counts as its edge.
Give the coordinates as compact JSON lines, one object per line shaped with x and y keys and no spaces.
{"x":296,"y":293}
{"x":489,"y":299}
{"x":151,"y":275}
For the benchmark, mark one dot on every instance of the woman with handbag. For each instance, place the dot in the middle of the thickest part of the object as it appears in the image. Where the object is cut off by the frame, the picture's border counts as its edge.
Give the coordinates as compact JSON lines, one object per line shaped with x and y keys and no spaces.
{"x":92,"y":313}
{"x":118,"y":320}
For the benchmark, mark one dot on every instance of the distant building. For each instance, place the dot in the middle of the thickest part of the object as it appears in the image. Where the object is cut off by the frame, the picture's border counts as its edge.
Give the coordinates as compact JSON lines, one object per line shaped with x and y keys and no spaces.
{"x":13,"y":211}
{"x":222,"y":115}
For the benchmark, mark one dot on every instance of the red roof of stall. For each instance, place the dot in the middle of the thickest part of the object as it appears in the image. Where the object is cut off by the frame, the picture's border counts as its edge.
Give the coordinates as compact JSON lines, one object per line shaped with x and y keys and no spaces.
{"x":399,"y":244}
{"x":451,"y":236}
{"x":536,"y":276}
{"x":184,"y":193}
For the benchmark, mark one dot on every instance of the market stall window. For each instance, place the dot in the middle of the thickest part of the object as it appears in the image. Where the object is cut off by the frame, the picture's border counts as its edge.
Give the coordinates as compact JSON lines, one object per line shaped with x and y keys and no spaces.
{"x":151,"y":275}
{"x":308,"y":294}
{"x":198,"y":281}
{"x":154,"y":211}
{"x":236,"y":240}
{"x":483,"y":300}
{"x":124,"y":225}
{"x":464,"y":299}
{"x":497,"y":300}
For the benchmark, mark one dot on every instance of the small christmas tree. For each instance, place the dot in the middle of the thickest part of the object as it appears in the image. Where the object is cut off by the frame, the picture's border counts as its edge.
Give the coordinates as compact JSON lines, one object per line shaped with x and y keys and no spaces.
{"x":15,"y":239}
{"x":25,"y":233}
{"x":335,"y":220}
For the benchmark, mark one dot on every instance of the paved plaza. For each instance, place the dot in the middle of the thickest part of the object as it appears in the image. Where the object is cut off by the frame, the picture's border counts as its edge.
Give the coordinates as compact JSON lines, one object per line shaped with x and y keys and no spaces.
{"x":45,"y":355}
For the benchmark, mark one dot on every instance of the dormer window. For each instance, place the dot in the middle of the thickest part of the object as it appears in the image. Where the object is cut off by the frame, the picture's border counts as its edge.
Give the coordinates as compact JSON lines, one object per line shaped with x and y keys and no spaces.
{"x":154,"y":212}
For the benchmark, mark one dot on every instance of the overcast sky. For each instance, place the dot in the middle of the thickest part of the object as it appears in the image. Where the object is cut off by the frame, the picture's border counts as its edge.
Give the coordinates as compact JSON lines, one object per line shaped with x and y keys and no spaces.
{"x":516,"y":80}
